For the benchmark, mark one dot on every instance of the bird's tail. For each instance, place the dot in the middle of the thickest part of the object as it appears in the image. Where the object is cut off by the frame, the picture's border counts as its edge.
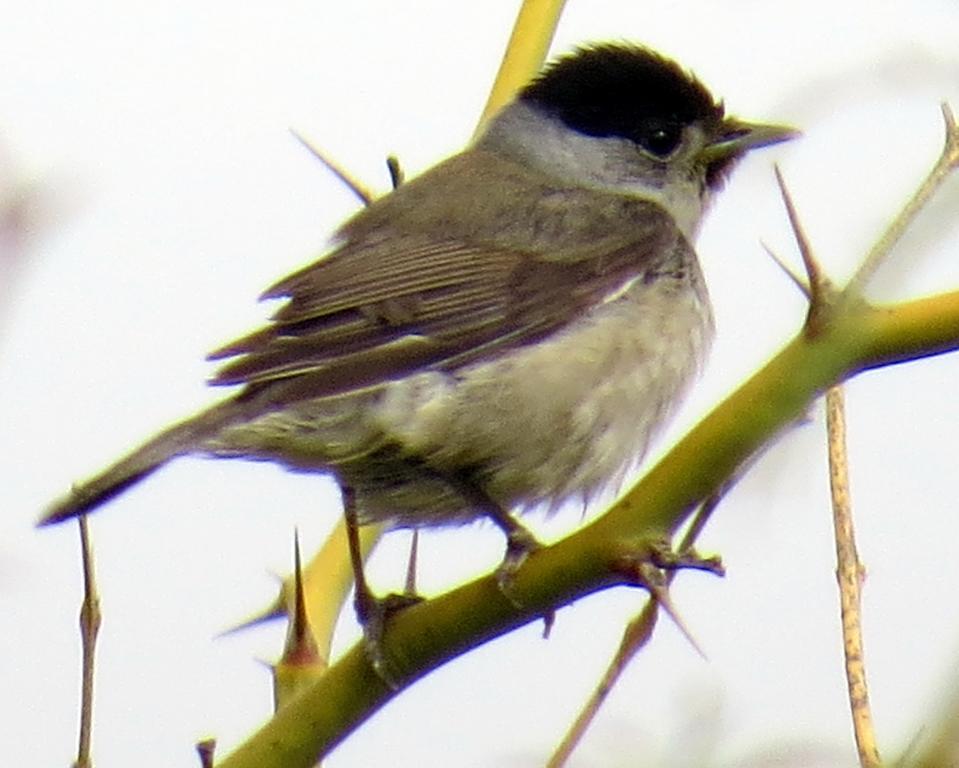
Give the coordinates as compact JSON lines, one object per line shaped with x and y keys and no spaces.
{"x":185,"y":437}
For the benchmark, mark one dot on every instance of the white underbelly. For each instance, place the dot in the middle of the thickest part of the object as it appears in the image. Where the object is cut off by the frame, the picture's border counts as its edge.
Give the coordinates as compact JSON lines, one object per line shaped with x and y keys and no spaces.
{"x":568,"y":416}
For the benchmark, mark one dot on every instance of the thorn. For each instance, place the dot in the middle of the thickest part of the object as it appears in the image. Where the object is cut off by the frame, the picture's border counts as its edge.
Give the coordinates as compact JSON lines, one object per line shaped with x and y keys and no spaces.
{"x":647,"y":570}
{"x":660,"y":593}
{"x":410,"y":587}
{"x":549,"y":619}
{"x":794,"y":277}
{"x":272,"y":612}
{"x":396,"y":171}
{"x":358,"y":189}
{"x":299,"y":638}
{"x":821,"y":293}
{"x":689,"y":559}
{"x":805,"y":249}
{"x":951,"y":150}
{"x":205,"y":750}
{"x":949,"y":117}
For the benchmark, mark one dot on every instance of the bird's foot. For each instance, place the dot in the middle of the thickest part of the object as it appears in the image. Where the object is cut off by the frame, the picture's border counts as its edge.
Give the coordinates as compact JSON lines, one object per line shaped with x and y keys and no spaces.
{"x":520,"y":544}
{"x":374,"y":613}
{"x":652,"y":568}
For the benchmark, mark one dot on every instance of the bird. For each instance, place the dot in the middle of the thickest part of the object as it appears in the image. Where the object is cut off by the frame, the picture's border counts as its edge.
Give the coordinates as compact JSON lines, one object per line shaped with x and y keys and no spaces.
{"x":507,"y":331}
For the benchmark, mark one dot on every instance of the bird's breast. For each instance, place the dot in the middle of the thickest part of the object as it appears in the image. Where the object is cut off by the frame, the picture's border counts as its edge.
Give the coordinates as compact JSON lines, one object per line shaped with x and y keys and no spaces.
{"x":567,"y":416}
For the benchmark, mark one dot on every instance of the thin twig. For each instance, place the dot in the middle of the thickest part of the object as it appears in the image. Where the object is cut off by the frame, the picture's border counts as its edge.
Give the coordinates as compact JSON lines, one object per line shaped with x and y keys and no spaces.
{"x":637,"y":634}
{"x":849,"y":574}
{"x":947,"y":163}
{"x":90,"y":618}
{"x":849,"y":571}
{"x":635,"y":637}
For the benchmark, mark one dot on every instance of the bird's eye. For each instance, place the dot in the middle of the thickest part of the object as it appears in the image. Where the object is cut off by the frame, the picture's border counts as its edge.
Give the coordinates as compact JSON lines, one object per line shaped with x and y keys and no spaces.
{"x":661,"y":140}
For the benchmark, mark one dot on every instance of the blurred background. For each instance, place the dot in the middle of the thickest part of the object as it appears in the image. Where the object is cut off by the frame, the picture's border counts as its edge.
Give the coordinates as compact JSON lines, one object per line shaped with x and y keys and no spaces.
{"x":150,"y":189}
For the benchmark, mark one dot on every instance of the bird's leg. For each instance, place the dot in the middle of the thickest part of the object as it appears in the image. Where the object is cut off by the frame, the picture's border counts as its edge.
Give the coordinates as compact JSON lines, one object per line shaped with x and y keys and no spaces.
{"x":363,"y":598}
{"x":371,"y":611}
{"x":520,"y":543}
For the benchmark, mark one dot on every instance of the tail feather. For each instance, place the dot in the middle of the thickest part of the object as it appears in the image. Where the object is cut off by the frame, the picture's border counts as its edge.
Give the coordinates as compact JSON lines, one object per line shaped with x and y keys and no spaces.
{"x":185,"y":437}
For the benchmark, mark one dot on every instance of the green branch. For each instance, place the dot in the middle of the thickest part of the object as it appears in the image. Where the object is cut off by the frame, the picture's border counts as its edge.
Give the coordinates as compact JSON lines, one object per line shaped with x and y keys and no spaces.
{"x":843,"y":335}
{"x":855,"y":337}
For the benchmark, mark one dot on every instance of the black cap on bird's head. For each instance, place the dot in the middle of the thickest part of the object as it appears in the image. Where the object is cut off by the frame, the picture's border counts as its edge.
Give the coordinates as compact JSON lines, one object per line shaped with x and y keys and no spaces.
{"x":629,"y":91}
{"x":624,"y":90}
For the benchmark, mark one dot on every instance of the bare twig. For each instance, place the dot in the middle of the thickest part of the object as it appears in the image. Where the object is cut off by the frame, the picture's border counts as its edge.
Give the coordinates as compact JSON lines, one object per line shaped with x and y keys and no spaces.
{"x":90,"y":619}
{"x":637,"y":634}
{"x":635,"y":637}
{"x":947,"y":163}
{"x":849,"y":571}
{"x":849,"y":574}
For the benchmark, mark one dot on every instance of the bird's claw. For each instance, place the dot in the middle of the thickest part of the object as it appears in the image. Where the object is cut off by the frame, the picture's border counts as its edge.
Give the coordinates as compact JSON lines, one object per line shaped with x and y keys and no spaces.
{"x":374,"y":613}
{"x":520,"y":544}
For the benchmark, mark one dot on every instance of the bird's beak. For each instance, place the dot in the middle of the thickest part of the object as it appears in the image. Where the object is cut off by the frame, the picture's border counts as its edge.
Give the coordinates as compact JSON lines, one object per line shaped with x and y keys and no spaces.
{"x":738,"y":137}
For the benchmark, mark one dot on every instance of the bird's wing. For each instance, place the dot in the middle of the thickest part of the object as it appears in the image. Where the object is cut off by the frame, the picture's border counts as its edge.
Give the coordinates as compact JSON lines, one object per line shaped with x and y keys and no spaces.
{"x":437,"y":291}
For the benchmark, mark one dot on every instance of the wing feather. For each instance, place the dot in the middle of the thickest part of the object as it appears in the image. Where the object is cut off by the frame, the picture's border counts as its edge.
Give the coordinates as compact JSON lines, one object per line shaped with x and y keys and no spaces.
{"x":412,"y":284}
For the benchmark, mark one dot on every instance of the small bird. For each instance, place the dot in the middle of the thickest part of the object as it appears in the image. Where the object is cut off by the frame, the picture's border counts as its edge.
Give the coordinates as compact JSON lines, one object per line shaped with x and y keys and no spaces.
{"x":507,"y":331}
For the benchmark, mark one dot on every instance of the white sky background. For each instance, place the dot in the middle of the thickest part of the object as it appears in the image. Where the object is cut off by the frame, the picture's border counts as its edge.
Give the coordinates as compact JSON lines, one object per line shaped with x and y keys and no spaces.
{"x":177,"y":195}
